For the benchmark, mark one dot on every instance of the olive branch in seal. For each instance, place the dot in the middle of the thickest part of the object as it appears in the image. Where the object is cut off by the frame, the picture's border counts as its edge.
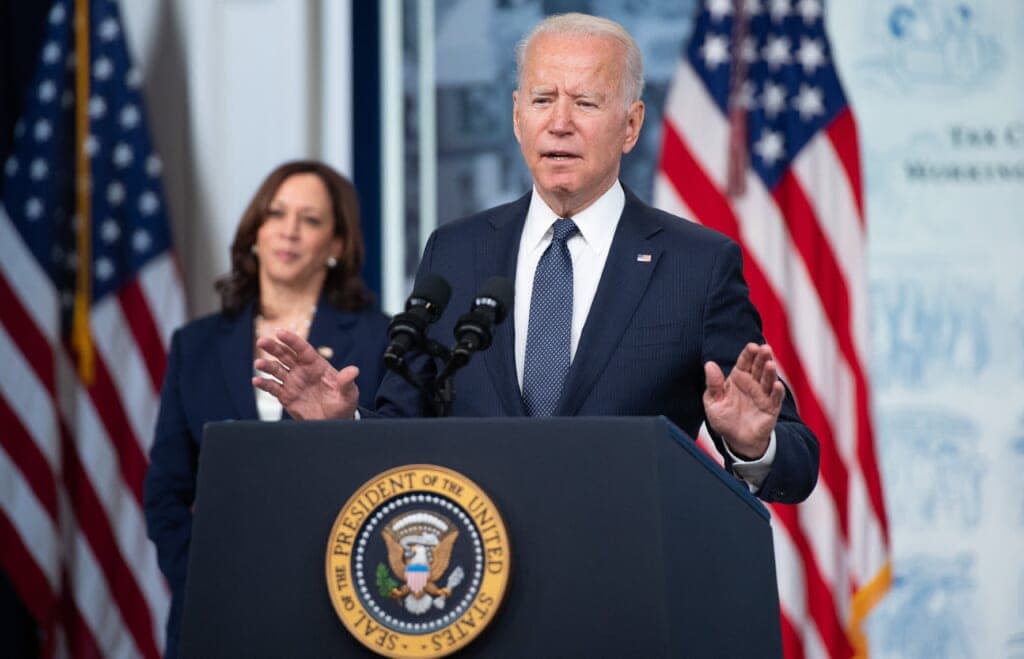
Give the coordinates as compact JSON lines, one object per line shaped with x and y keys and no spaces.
{"x":385,"y":582}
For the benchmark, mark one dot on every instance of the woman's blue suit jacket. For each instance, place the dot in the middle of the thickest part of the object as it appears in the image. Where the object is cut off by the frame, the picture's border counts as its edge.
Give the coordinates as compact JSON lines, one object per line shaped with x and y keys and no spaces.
{"x":209,"y":375}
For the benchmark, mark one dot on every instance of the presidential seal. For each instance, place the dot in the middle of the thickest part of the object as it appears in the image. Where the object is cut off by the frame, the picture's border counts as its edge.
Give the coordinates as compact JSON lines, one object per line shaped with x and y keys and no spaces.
{"x":417,"y":562}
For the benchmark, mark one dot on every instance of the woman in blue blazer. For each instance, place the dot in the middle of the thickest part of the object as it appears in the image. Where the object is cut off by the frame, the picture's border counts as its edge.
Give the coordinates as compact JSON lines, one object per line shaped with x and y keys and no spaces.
{"x":295,"y":264}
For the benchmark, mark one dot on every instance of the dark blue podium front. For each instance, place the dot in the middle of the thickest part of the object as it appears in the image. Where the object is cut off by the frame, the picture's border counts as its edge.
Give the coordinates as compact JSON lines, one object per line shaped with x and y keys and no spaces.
{"x":626,"y":540}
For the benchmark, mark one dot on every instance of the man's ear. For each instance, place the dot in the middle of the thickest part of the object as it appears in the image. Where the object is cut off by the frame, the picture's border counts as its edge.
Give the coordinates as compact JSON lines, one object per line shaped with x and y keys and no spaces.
{"x":515,"y":115}
{"x":634,"y":122}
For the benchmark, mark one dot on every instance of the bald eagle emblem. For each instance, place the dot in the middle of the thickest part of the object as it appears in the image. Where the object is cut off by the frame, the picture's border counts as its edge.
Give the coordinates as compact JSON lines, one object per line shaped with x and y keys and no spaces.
{"x":419,"y":545}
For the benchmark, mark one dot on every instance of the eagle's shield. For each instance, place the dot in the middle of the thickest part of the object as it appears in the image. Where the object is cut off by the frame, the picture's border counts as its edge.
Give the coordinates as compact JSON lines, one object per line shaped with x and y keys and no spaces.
{"x":416,"y":577}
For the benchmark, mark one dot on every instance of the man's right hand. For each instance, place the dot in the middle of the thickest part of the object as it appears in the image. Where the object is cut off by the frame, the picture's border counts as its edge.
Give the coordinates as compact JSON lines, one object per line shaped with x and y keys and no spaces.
{"x":309,"y":387}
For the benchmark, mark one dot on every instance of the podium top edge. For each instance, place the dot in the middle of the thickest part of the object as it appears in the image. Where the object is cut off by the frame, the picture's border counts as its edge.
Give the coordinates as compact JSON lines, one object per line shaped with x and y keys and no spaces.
{"x":636,"y":422}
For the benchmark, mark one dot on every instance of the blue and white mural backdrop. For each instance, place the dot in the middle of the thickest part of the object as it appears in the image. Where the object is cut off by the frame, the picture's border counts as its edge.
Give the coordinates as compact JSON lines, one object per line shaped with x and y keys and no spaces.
{"x":938,"y":89}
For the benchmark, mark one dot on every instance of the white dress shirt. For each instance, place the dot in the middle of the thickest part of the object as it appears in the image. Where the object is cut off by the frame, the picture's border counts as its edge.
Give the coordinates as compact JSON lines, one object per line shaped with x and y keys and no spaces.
{"x":589,"y":251}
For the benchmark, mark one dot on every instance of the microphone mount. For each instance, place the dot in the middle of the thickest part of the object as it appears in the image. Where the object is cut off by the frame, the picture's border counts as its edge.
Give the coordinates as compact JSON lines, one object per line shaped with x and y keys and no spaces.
{"x":473,"y":332}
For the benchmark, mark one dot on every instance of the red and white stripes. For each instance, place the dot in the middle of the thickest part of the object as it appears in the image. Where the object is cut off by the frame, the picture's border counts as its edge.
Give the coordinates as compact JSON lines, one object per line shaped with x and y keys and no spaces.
{"x":805,"y":257}
{"x":73,"y":457}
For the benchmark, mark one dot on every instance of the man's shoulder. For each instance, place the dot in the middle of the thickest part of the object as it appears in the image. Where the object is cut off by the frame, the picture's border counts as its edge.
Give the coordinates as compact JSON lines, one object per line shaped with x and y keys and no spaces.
{"x":489,"y":217}
{"x":675,"y":228}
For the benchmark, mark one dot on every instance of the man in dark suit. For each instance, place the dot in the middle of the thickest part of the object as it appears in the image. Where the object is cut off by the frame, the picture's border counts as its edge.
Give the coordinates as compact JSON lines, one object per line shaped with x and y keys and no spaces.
{"x":620,"y":309}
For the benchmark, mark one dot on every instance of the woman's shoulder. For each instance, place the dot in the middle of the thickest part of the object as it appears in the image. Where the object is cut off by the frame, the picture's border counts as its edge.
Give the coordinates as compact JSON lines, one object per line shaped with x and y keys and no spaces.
{"x":203,"y":328}
{"x":373,"y":323}
{"x":373,"y":316}
{"x":367,"y":326}
{"x":368,"y":316}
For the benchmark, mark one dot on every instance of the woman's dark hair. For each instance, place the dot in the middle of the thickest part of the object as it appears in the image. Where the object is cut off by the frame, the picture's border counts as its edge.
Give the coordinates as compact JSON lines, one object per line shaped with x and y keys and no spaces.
{"x":343,"y":286}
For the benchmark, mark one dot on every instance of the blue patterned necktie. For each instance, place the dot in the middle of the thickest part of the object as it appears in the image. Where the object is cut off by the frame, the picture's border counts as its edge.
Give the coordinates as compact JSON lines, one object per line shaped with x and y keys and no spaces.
{"x":549,"y":335}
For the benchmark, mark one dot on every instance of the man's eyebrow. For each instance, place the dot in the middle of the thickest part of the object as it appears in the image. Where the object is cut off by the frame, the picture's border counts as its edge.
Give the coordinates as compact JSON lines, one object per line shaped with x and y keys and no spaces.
{"x":548,"y":91}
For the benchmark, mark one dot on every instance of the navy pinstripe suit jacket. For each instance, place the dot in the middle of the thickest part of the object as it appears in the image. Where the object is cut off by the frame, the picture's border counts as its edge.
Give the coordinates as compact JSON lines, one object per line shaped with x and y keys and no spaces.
{"x":651,"y":327}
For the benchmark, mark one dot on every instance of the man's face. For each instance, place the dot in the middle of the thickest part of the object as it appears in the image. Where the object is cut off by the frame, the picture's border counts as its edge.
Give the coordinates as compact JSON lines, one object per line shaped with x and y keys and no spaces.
{"x":571,"y":119}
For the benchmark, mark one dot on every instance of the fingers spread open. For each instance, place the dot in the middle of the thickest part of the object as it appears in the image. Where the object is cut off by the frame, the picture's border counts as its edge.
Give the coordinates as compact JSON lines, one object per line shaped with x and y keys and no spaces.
{"x":272,"y":367}
{"x":745,"y":361}
{"x":300,"y":347}
{"x":278,"y":351}
{"x":271,"y":387}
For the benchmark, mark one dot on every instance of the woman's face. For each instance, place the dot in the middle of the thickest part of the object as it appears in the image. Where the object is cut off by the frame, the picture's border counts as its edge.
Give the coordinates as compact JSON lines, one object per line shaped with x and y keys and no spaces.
{"x":297,"y":234}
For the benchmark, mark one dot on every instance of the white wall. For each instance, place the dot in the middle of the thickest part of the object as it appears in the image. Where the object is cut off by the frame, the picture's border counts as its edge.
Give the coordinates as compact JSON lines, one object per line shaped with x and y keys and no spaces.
{"x":234,"y":88}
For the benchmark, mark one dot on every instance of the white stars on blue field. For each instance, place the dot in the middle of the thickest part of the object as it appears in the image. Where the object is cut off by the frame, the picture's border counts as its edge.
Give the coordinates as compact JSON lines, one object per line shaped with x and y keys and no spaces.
{"x":128,"y":222}
{"x":790,"y":90}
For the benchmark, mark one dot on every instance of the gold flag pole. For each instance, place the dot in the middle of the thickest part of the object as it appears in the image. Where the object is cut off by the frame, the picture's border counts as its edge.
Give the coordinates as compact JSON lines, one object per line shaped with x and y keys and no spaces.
{"x":81,"y":337}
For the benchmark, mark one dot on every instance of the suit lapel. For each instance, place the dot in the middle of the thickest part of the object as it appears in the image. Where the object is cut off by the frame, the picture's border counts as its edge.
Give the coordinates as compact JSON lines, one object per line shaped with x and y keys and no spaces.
{"x":626,"y":275}
{"x":236,"y":357}
{"x":496,"y":255}
{"x":331,"y":333}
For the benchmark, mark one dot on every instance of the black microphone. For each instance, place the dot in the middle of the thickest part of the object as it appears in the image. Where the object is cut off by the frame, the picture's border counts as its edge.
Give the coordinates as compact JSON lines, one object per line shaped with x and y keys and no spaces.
{"x":474,"y":330}
{"x":408,"y":329}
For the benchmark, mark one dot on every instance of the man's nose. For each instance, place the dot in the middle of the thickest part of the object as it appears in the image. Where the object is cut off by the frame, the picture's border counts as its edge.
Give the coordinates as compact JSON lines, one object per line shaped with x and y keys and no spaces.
{"x":561,"y":117}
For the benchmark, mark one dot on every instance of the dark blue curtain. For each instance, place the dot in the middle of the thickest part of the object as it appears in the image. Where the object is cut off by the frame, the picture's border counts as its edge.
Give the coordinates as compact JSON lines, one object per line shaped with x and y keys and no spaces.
{"x":366,"y":113}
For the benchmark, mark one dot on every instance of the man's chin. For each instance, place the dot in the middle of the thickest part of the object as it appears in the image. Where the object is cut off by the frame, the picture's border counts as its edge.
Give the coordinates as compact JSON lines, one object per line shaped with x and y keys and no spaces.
{"x":562,"y":199}
{"x":560,"y":186}
{"x":559,"y":192}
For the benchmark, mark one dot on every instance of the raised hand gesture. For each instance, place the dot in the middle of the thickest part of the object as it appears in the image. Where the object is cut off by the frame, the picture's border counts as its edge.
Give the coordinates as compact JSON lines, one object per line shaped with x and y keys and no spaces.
{"x":744,"y":407}
{"x":309,"y":387}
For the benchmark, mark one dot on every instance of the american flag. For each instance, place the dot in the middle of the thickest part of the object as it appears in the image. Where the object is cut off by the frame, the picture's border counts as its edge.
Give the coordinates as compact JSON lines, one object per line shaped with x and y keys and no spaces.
{"x":760,"y":143}
{"x":89,"y":294}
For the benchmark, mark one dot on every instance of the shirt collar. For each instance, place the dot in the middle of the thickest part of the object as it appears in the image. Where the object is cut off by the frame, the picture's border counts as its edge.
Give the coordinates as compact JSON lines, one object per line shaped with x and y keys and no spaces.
{"x":597,"y":222}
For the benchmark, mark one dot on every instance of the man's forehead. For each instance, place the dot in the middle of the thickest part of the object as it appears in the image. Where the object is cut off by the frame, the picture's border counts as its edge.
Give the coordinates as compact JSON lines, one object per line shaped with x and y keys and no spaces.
{"x":570,"y":56}
{"x":572,"y":37}
{"x":573,"y":46}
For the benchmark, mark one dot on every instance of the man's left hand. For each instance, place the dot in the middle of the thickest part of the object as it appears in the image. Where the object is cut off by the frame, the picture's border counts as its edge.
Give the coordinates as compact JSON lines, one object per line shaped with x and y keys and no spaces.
{"x":744,"y":407}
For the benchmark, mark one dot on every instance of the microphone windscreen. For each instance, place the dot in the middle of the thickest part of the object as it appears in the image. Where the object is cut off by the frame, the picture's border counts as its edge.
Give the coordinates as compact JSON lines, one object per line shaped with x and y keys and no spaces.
{"x":502,"y":291}
{"x":434,"y":290}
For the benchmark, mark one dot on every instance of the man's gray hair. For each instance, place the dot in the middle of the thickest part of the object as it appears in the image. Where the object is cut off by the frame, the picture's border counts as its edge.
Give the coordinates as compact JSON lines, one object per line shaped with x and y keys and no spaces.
{"x":590,"y":26}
